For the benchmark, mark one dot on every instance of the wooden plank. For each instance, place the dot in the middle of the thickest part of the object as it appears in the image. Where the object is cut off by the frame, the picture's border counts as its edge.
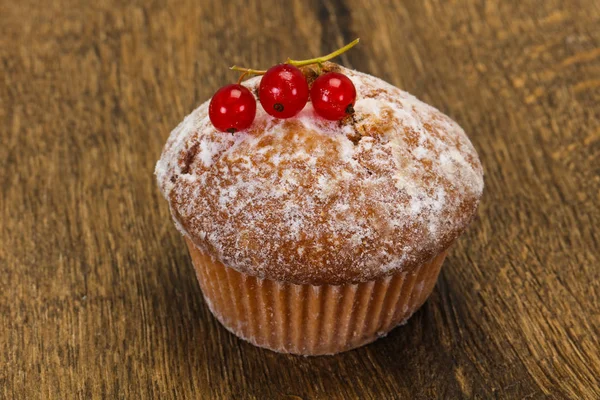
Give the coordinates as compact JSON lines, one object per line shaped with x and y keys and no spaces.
{"x":98,"y":298}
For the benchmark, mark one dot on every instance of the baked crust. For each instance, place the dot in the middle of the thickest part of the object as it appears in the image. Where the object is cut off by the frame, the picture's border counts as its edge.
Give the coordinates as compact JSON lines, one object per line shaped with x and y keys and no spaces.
{"x":310,"y":201}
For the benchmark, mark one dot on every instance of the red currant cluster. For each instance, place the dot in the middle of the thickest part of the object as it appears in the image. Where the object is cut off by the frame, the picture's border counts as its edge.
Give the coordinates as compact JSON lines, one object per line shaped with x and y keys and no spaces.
{"x":283,"y":93}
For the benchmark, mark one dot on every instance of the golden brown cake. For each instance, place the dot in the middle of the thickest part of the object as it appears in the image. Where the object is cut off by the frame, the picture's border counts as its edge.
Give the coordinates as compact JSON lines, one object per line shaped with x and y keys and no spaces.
{"x":313,"y":237}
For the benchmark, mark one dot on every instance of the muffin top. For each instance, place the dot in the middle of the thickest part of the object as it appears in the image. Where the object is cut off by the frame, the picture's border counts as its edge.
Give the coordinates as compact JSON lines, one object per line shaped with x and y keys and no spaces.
{"x":310,"y":201}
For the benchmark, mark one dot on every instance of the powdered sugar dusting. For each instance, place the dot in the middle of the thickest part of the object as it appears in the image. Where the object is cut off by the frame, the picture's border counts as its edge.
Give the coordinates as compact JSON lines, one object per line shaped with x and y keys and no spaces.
{"x":306,"y":200}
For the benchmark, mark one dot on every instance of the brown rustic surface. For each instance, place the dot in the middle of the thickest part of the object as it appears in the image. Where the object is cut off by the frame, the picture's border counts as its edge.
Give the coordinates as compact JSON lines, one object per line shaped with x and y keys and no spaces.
{"x":98,"y":298}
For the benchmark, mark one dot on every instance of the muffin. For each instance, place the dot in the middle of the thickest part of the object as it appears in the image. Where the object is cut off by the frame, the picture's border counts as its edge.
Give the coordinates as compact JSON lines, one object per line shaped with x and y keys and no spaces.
{"x":311,"y":236}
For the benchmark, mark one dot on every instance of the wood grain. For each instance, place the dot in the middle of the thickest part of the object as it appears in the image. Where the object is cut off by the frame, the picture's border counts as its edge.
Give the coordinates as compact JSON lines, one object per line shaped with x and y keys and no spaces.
{"x":98,"y":297}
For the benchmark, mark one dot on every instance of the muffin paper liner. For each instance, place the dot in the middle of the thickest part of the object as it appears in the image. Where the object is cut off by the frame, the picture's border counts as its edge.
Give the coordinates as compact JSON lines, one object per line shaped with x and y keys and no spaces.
{"x":309,"y":319}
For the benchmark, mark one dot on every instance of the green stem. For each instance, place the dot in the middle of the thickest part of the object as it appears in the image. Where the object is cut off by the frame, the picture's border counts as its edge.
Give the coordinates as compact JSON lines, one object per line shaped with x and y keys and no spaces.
{"x":320,"y":60}
{"x":248,"y":70}
{"x":298,"y":63}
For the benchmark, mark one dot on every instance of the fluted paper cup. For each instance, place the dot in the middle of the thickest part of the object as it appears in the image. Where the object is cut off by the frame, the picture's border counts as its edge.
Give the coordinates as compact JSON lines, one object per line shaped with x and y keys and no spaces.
{"x":309,"y":319}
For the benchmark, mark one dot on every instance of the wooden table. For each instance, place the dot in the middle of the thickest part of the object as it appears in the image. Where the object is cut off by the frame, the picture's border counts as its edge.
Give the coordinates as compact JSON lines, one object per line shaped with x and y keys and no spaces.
{"x":98,"y":298}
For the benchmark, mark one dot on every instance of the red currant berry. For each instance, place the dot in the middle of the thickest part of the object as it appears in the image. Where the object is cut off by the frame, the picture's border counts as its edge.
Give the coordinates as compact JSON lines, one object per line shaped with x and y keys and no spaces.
{"x":232,"y":108}
{"x":283,"y":91}
{"x":333,"y":96}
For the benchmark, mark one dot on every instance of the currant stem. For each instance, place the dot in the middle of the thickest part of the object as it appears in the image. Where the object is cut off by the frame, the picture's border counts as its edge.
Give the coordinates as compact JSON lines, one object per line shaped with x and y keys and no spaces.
{"x":297,"y":63}
{"x":241,"y":78}
{"x":322,"y":59}
{"x":248,"y":70}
